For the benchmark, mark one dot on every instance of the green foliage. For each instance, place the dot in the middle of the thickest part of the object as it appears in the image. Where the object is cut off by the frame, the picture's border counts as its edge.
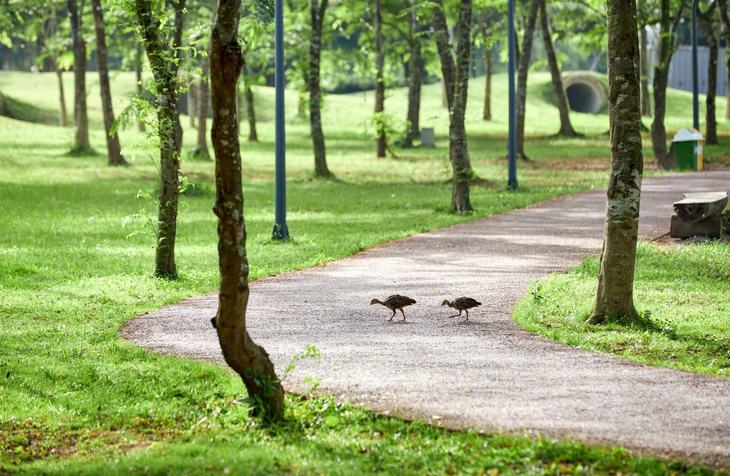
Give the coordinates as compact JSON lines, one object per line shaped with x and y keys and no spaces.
{"x":684,"y":295}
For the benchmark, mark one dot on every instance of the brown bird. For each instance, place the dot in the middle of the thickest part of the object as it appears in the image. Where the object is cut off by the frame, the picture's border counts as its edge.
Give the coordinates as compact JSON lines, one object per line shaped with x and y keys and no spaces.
{"x":396,"y":302}
{"x":461,"y":304}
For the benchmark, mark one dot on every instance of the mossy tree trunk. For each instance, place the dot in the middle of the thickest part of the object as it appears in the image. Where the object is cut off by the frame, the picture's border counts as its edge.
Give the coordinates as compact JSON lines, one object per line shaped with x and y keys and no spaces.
{"x":114,"y":150}
{"x":164,"y":62}
{"x":458,"y":147}
{"x":561,"y":97}
{"x":667,"y":28}
{"x":318,"y":9}
{"x":414,"y":77}
{"x":522,"y":69}
{"x":614,"y":297}
{"x":81,"y":119}
{"x":244,"y":356}
{"x":380,"y":141}
{"x":708,"y":25}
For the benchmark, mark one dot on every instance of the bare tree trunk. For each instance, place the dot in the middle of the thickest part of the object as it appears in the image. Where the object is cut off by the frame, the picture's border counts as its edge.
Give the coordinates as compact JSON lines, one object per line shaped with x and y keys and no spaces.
{"x":251,"y":114}
{"x":112,"y":140}
{"x":138,"y":73}
{"x":315,"y":114}
{"x":458,"y":146}
{"x":164,"y":63}
{"x":645,"y":100}
{"x":414,"y":79}
{"x":63,"y":115}
{"x":561,"y":97}
{"x":201,"y":150}
{"x":614,"y":297}
{"x":707,"y":24}
{"x":441,"y":36}
{"x":667,"y":27}
{"x":522,"y":69}
{"x":487,"y":111}
{"x":244,"y":356}
{"x":81,"y":118}
{"x":380,"y":143}
{"x":722,"y":9}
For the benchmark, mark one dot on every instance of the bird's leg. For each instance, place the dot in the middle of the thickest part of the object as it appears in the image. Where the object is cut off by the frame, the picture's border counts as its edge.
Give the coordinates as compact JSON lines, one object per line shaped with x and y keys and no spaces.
{"x":391,"y":317}
{"x":404,"y":315}
{"x":467,"y":316}
{"x":455,"y":315}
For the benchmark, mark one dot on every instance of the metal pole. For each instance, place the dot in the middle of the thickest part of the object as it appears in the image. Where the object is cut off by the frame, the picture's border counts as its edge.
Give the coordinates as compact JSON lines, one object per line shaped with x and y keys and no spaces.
{"x":695,"y":75}
{"x":512,"y":144}
{"x":281,"y":232}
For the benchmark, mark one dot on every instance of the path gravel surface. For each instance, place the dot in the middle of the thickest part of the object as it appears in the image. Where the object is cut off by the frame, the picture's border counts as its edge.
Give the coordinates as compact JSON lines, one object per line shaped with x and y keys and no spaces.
{"x":489,"y":374}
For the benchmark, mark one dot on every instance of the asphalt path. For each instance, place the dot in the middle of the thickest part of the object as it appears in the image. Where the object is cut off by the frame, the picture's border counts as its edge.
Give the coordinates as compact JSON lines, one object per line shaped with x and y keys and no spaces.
{"x":488,"y":374}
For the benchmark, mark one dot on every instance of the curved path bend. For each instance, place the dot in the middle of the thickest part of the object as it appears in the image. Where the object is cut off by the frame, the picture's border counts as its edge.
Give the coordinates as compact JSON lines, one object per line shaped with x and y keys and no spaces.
{"x":489,"y":374}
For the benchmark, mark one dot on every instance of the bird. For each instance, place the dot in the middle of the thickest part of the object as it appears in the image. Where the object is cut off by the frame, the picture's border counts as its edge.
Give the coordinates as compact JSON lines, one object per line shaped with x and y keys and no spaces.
{"x":461,"y":304}
{"x":394,"y":303}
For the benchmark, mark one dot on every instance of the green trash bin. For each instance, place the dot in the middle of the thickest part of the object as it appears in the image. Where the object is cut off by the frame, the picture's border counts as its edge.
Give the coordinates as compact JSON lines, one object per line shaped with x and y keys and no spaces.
{"x":688,"y":149}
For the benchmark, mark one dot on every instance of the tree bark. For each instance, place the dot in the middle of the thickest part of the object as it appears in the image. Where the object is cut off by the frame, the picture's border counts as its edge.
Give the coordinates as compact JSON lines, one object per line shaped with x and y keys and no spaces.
{"x":138,"y":74}
{"x":722,"y":8}
{"x":244,"y":356}
{"x":81,"y":119}
{"x":315,"y":113}
{"x":614,"y":297}
{"x":667,"y":27}
{"x":522,"y":70}
{"x":708,"y":27}
{"x":645,"y":100}
{"x":458,"y":146}
{"x":414,"y":78}
{"x":63,"y":115}
{"x":164,"y":63}
{"x":487,"y":111}
{"x":112,"y":141}
{"x":561,"y":97}
{"x":201,"y":150}
{"x":380,"y":141}
{"x":441,"y":36}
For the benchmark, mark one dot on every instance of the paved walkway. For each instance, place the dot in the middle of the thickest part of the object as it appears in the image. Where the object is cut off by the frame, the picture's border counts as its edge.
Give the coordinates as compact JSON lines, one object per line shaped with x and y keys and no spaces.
{"x":489,"y":374}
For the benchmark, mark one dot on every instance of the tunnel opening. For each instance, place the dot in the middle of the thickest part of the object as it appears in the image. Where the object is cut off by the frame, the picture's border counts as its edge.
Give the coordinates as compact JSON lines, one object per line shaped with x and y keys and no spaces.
{"x":583,"y":98}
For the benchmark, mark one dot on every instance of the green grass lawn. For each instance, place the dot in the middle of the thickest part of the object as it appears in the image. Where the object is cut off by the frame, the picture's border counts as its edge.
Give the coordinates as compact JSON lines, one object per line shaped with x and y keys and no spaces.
{"x":76,"y":259}
{"x":683,"y":293}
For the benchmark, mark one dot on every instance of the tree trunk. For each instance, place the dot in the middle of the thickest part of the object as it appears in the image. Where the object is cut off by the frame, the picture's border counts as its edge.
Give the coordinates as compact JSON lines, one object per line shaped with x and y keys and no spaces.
{"x":441,"y":36}
{"x":244,"y":356}
{"x":458,"y":146}
{"x":81,"y":118}
{"x":164,"y":63}
{"x":251,"y":114}
{"x":614,"y":297}
{"x":722,"y":8}
{"x":138,"y":73}
{"x":561,"y":97}
{"x":201,"y":150}
{"x":414,"y":79}
{"x":315,"y":113}
{"x":708,"y":27}
{"x":661,"y":78}
{"x":112,"y":141}
{"x":63,"y":115}
{"x":522,"y":69}
{"x":645,"y":100}
{"x":487,"y":112}
{"x":192,"y":99}
{"x":379,"y":84}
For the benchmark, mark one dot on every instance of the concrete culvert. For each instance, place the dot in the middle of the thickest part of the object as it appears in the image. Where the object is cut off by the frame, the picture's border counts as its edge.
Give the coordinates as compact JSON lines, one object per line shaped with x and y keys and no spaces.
{"x":585,"y":93}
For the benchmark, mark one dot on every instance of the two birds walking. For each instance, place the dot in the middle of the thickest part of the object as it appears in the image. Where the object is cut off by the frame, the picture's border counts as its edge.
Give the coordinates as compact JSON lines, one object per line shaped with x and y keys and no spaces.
{"x":396,"y":302}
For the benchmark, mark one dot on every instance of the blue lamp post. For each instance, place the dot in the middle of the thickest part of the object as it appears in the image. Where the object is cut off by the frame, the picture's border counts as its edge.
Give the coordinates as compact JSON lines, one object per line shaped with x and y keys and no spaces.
{"x":695,"y":78}
{"x":281,"y":232}
{"x":512,"y":143}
